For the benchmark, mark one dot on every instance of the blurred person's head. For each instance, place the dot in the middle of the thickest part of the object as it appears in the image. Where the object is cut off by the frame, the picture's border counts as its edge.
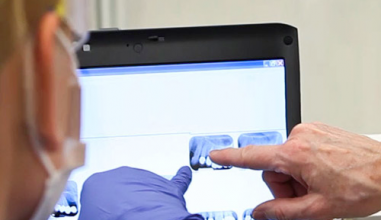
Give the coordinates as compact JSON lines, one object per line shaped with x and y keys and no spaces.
{"x":39,"y":104}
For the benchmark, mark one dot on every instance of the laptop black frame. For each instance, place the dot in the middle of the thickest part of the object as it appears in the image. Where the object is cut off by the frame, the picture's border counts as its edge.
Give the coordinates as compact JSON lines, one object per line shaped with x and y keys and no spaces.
{"x":116,"y":48}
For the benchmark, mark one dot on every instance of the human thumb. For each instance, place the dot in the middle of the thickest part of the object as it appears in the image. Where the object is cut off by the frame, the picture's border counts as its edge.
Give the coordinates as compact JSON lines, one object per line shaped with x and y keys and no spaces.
{"x":306,"y":207}
{"x":182,"y":179}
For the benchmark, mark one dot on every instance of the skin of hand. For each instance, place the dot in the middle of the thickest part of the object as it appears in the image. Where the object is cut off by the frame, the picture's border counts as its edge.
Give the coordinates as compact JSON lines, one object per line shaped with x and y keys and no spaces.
{"x":321,"y":172}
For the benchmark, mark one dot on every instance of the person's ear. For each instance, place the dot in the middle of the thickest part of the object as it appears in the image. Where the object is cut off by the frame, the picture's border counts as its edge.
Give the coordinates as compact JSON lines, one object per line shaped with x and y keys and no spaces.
{"x":46,"y":104}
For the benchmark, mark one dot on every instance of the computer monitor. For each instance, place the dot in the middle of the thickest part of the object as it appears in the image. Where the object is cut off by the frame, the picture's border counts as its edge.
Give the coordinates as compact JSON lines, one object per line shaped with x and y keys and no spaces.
{"x":170,"y":98}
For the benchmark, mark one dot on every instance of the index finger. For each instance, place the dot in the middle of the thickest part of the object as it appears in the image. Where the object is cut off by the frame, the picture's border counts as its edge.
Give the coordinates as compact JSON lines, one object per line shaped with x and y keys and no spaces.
{"x":253,"y":157}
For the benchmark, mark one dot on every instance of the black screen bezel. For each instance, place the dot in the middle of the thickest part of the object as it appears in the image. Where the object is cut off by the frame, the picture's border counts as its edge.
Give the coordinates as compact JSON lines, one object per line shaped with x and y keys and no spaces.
{"x":115,"y":48}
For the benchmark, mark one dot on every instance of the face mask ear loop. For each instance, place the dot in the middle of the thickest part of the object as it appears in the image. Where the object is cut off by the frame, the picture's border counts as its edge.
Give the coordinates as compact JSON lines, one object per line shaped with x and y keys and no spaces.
{"x":30,"y":110}
{"x":67,"y":46}
{"x":72,"y":145}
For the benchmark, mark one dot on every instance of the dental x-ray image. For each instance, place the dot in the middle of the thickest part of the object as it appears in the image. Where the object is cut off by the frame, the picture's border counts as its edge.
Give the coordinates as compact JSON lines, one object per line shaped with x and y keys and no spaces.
{"x":264,"y":138}
{"x":67,"y":206}
{"x":219,"y":215}
{"x":200,"y":148}
{"x":247,"y":215}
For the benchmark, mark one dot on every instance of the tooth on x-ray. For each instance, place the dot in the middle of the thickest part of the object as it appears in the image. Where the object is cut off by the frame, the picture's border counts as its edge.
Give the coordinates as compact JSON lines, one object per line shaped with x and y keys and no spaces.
{"x":247,"y":214}
{"x":201,"y":146}
{"x":228,"y":215}
{"x":67,"y":206}
{"x":216,"y":166}
{"x":208,"y":161}
{"x":263,"y":138}
{"x":67,"y":210}
{"x":219,"y":216}
{"x":73,"y":209}
{"x":202,"y":160}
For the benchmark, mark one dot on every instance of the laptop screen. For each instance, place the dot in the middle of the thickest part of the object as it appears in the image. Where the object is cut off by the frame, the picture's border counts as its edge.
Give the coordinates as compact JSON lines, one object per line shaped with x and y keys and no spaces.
{"x":163,"y":117}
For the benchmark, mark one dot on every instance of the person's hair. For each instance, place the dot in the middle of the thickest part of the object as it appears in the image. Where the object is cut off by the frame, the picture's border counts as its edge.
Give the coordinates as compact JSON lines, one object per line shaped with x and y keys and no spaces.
{"x":18,"y":19}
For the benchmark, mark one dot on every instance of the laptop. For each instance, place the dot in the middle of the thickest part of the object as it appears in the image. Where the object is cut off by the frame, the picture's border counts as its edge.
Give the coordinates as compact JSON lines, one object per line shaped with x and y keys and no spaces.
{"x":160,"y":99}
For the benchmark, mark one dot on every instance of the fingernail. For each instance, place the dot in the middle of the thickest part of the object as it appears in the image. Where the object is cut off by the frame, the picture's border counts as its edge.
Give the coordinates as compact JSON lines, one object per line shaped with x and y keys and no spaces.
{"x":213,"y":153}
{"x":259,"y":215}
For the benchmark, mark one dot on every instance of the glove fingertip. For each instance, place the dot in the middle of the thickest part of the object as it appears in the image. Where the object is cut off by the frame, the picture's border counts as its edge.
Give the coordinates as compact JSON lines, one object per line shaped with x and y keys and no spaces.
{"x":185,"y":171}
{"x":183,"y":178}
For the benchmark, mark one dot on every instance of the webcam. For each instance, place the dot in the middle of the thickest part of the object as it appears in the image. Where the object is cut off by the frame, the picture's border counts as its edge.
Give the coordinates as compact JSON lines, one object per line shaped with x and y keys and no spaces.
{"x":288,"y":40}
{"x":138,"y":48}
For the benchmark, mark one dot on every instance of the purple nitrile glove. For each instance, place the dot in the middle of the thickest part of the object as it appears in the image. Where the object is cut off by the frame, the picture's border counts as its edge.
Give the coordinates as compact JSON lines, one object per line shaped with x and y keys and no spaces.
{"x":133,"y":194}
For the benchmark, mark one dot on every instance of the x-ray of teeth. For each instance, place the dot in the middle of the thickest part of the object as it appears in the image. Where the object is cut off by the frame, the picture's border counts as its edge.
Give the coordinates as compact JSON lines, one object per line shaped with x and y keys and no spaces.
{"x":264,"y":138}
{"x":247,"y":214}
{"x":202,"y":161}
{"x":201,"y":146}
{"x":67,"y":206}
{"x":229,"y":215}
{"x":208,"y":162}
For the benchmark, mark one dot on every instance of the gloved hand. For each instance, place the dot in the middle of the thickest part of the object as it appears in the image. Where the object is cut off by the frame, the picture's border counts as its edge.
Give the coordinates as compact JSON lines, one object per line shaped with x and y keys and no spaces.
{"x":133,"y":194}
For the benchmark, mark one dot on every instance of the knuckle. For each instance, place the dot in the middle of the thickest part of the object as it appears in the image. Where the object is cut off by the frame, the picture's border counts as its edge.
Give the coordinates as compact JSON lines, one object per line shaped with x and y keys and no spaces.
{"x":281,"y":160}
{"x":245,"y":152}
{"x":279,"y":214}
{"x":299,"y":129}
{"x":296,"y":152}
{"x":303,"y":129}
{"x":87,"y":185}
{"x":320,"y":213}
{"x":280,"y":164}
{"x":317,"y":123}
{"x":93,"y":180}
{"x":296,"y":145}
